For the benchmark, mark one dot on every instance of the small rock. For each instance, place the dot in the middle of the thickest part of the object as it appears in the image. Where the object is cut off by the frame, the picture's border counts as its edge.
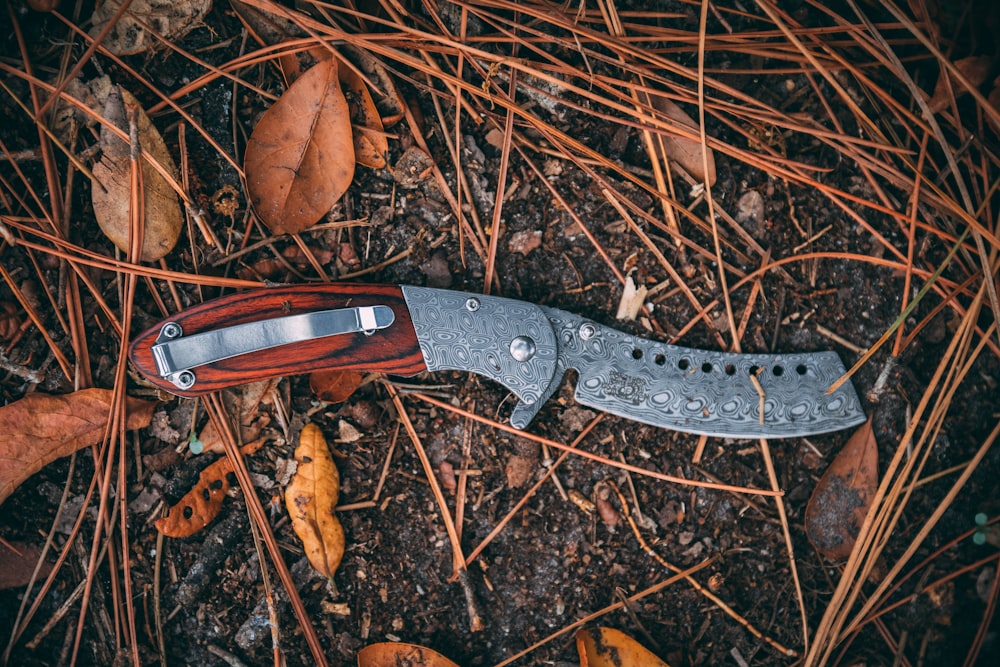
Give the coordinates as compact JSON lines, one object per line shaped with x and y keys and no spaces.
{"x":576,"y":418}
{"x":750,"y":208}
{"x":437,"y":271}
{"x":524,"y":241}
{"x":412,"y":168}
{"x":519,"y":470}
{"x":347,"y":432}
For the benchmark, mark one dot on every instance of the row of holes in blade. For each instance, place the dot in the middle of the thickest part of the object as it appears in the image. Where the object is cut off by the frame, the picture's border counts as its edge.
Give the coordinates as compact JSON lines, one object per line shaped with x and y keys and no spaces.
{"x":684,"y":364}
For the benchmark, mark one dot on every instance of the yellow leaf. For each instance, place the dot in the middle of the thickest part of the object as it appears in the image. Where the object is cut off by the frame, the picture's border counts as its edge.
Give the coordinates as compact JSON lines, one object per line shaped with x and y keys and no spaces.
{"x":311,"y":498}
{"x":393,"y":654}
{"x":607,"y":647}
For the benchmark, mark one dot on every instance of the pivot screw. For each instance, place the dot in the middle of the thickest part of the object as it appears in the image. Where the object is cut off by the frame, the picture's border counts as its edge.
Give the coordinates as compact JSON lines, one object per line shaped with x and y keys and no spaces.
{"x":522,"y":348}
{"x":472,"y":304}
{"x":587,"y":331}
{"x":171,"y":330}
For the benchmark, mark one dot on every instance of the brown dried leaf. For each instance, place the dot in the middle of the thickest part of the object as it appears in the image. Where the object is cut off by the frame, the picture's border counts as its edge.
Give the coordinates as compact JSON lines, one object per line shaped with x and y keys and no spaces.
{"x":994,"y":101}
{"x":10,"y":321}
{"x":387,"y":98}
{"x":685,"y":152}
{"x":294,"y":65}
{"x":171,"y":18}
{"x":974,"y":68}
{"x":265,"y":27}
{"x":371,"y":144}
{"x":17,"y":564}
{"x":246,"y":404}
{"x":607,"y":647}
{"x":395,"y":654}
{"x":40,"y":428}
{"x":311,"y":500}
{"x":335,"y":386}
{"x":202,"y":503}
{"x":300,"y":158}
{"x":112,"y":183}
{"x":841,"y":500}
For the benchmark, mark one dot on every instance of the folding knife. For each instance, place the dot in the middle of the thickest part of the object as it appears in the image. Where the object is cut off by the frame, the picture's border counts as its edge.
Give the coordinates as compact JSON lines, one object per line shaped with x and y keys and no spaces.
{"x":405,"y":330}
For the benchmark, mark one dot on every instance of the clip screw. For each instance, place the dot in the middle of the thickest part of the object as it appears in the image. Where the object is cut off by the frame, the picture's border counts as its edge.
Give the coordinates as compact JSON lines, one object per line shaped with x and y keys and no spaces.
{"x":587,"y":331}
{"x":171,"y":330}
{"x":472,"y":304}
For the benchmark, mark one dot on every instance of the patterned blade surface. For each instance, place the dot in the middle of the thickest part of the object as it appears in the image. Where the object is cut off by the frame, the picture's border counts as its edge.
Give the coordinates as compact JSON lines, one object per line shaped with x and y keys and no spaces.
{"x":704,"y":392}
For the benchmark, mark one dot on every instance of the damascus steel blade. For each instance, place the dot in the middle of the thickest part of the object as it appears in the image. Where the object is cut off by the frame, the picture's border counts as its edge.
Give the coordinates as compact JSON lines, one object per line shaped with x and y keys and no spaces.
{"x":703,"y":392}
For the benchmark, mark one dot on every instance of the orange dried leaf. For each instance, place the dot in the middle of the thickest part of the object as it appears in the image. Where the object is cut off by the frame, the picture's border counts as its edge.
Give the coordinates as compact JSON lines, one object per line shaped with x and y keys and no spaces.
{"x":311,"y":500}
{"x":294,"y":65}
{"x":837,"y":508}
{"x":111,"y":187}
{"x":394,"y":654}
{"x":335,"y":386}
{"x":40,"y":428}
{"x":607,"y":647}
{"x":300,"y":158}
{"x":201,"y":504}
{"x":974,"y":68}
{"x":685,"y":152}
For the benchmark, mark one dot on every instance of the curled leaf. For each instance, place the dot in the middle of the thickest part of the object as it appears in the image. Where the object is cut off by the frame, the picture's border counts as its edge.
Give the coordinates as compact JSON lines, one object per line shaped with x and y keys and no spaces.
{"x":311,"y":500}
{"x":685,"y":152}
{"x":607,"y":647}
{"x":387,"y":98}
{"x":370,"y":142}
{"x":841,"y":500}
{"x":172,"y":19}
{"x":111,"y":192}
{"x":395,"y":654}
{"x":300,"y":158}
{"x":40,"y":428}
{"x":202,"y":503}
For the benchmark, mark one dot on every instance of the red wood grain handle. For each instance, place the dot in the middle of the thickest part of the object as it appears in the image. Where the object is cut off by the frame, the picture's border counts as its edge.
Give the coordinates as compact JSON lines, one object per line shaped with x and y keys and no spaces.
{"x":392,"y":350}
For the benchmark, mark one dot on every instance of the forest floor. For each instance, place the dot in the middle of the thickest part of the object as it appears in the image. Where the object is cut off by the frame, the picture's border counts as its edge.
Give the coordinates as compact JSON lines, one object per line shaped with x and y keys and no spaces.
{"x":835,"y":200}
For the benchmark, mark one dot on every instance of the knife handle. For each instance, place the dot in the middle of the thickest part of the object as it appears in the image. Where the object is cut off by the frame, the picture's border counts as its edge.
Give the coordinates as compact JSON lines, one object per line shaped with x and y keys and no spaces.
{"x":393,"y":349}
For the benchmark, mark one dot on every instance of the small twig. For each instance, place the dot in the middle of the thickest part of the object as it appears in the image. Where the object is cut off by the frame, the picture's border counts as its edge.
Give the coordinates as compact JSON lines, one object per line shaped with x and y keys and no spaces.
{"x":225,"y":656}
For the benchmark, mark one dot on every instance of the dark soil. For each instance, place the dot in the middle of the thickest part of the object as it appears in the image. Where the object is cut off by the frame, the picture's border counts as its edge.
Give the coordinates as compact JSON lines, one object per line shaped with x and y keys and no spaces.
{"x":553,"y":563}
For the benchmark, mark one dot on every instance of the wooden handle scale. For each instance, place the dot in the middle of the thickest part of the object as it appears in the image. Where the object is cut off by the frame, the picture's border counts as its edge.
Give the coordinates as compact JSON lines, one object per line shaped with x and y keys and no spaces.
{"x":391,"y":349}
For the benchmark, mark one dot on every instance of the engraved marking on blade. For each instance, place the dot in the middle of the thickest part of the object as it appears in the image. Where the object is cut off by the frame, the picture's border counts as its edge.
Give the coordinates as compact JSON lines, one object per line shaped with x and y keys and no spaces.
{"x":624,"y":387}
{"x":176,"y":354}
